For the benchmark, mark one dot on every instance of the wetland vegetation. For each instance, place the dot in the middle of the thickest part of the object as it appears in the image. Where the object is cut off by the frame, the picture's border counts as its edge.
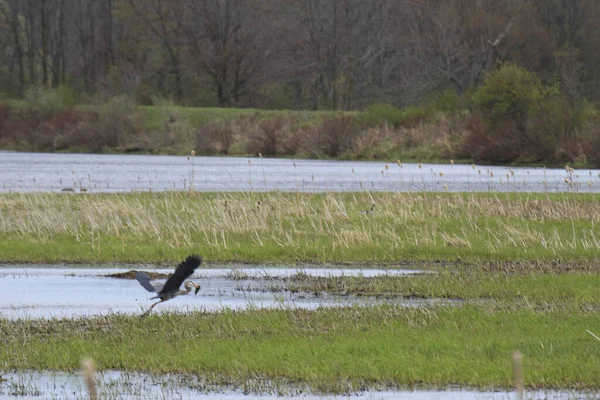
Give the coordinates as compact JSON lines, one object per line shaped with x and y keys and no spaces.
{"x":493,"y":123}
{"x":552,"y":288}
{"x":523,"y":266}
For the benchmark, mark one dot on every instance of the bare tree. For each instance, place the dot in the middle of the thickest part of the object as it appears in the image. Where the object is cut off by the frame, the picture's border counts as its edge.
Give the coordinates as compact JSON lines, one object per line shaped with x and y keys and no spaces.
{"x":12,"y":23}
{"x":160,"y":17}
{"x":344,"y":48}
{"x":452,"y":44}
{"x":333,"y":54}
{"x":226,"y":38}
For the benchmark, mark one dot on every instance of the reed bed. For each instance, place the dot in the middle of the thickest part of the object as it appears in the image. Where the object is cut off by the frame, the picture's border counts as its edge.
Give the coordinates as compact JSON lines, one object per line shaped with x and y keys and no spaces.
{"x":294,"y":227}
{"x":275,"y":227}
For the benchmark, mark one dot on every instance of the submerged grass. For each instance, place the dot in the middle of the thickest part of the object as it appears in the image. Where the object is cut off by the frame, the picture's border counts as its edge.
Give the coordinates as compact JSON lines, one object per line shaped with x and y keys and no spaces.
{"x":575,"y":290}
{"x":294,"y":227}
{"x":330,"y":350}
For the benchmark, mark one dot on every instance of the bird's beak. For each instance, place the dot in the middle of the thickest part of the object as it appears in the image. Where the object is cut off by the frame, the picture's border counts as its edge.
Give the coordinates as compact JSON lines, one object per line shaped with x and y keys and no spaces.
{"x":197,"y":288}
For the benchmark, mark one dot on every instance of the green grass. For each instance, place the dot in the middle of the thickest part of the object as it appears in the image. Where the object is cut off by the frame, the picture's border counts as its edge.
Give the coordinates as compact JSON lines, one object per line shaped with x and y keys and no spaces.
{"x":304,"y":228}
{"x":328,"y":350}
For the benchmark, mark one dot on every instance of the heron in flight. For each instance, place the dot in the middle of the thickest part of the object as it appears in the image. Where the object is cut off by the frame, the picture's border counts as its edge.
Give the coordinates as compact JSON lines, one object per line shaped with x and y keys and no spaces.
{"x":169,"y":289}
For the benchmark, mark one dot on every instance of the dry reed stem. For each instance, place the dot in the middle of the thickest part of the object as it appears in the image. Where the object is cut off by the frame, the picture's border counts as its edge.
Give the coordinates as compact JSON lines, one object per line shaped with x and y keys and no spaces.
{"x":518,"y":373}
{"x":89,"y":372}
{"x":591,"y":333}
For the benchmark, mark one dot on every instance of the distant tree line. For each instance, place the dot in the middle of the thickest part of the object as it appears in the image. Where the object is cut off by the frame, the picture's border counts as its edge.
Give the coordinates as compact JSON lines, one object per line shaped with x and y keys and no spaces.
{"x":299,"y":54}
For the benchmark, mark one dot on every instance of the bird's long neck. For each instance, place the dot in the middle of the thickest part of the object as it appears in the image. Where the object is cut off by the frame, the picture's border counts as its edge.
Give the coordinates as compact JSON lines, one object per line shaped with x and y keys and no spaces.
{"x":188,"y":286}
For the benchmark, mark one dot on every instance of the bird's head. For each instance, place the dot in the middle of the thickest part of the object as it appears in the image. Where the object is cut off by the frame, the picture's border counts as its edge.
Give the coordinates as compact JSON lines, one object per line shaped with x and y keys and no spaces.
{"x":189,"y":285}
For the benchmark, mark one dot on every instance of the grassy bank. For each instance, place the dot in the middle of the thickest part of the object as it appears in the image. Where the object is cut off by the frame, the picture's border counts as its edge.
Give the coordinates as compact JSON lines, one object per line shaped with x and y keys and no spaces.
{"x":121,"y":126}
{"x":278,"y":227}
{"x":328,"y":350}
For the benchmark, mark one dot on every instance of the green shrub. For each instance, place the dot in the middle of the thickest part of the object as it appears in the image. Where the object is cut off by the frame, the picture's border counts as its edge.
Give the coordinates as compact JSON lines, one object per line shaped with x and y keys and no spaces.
{"x":509,"y":93}
{"x":522,"y":120}
{"x":380,"y":114}
{"x":386,"y":114}
{"x":447,"y":102}
{"x":49,"y":102}
{"x":549,"y":123}
{"x":69,"y":95}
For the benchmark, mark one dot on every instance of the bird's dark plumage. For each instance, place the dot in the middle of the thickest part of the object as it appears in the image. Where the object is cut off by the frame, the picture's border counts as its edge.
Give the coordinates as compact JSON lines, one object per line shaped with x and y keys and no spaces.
{"x":182,"y":272}
{"x":145,"y":280}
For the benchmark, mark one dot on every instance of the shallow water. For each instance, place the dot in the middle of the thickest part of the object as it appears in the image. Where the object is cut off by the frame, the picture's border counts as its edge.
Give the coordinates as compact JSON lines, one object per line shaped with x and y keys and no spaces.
{"x":47,"y":292}
{"x":26,"y":172}
{"x":120,"y":385}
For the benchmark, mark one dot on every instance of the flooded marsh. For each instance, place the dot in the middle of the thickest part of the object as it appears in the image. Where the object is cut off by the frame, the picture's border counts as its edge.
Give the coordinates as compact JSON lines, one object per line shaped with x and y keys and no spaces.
{"x":514,"y":271}
{"x":47,"y":292}
{"x":328,"y":350}
{"x":336,"y":335}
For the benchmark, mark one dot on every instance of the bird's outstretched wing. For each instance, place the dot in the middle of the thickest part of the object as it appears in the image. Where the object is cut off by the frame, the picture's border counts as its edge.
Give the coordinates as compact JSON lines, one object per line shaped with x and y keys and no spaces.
{"x":183,"y":270}
{"x":147,"y":283}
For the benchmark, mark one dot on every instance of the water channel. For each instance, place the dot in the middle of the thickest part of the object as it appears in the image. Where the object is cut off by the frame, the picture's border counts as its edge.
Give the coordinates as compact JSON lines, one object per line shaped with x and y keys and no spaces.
{"x":43,"y":172}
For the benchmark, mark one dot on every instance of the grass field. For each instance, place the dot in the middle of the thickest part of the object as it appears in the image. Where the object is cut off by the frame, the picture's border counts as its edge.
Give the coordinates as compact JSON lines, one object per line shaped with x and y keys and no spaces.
{"x":327,"y":350}
{"x":299,"y":228}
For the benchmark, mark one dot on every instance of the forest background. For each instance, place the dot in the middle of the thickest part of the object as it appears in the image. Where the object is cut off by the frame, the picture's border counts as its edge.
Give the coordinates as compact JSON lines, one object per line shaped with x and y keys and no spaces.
{"x":507,"y":81}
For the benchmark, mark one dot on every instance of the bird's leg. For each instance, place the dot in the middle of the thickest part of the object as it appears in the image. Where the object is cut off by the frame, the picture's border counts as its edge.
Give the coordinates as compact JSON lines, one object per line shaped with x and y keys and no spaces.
{"x":144,"y":315}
